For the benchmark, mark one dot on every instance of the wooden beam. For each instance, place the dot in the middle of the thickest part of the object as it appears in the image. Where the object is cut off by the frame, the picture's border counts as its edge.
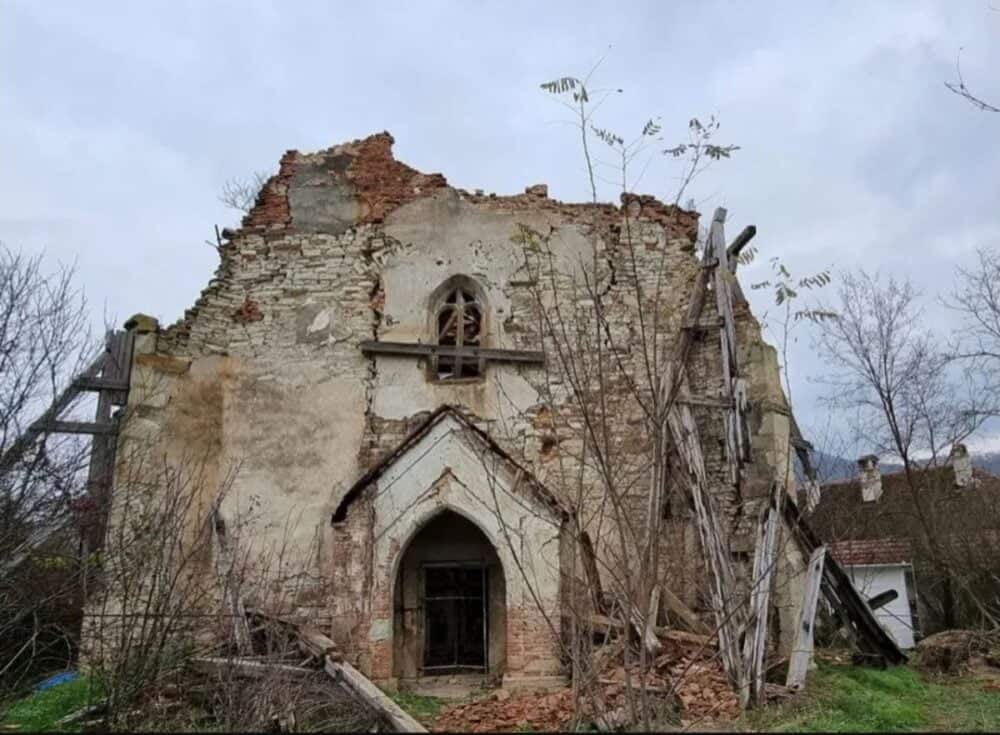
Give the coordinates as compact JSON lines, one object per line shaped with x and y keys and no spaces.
{"x":362,"y":687}
{"x":882,"y":599}
{"x":802,"y":648}
{"x":248,"y":668}
{"x":685,"y":614}
{"x":98,"y":384}
{"x":705,"y":401}
{"x":37,"y":427}
{"x":491,"y":354}
{"x":76,"y":427}
{"x":316,"y":643}
{"x":733,"y":251}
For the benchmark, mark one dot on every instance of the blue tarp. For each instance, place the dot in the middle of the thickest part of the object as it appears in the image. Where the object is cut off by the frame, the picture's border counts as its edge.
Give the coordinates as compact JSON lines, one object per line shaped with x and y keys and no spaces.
{"x":52,"y":681}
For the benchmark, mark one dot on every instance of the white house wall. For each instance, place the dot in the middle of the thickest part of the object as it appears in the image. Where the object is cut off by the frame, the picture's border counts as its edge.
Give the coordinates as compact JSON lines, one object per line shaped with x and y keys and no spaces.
{"x":895,"y":616}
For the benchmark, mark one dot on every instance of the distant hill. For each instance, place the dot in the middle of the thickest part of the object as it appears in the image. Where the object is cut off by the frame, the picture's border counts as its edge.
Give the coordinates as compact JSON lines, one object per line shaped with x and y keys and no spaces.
{"x":832,"y":468}
{"x":989,"y":461}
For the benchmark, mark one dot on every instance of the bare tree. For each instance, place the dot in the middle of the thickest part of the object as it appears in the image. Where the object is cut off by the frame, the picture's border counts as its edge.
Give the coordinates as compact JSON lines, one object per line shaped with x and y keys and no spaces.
{"x":897,"y":380}
{"x":893,"y":373}
{"x":961,"y":90}
{"x":44,"y":338}
{"x":976,"y":298}
{"x":241,"y":194}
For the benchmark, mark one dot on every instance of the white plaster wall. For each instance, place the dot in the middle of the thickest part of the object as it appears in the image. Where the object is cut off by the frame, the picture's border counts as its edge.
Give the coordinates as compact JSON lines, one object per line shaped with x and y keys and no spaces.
{"x":894,"y":617}
{"x":293,"y":430}
{"x":450,"y":469}
{"x":443,"y":236}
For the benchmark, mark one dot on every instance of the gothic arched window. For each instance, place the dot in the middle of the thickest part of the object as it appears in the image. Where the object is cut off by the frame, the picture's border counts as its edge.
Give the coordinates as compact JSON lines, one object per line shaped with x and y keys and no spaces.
{"x":459,"y":323}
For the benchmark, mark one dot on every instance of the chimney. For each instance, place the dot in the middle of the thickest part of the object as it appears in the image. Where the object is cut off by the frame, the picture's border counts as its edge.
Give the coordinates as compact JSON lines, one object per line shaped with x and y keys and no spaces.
{"x":871,"y":478}
{"x":961,"y":464}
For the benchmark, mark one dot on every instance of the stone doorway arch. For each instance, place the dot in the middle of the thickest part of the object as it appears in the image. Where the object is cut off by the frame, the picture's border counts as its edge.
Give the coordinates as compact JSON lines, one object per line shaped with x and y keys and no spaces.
{"x":449,"y":601}
{"x":448,"y":464}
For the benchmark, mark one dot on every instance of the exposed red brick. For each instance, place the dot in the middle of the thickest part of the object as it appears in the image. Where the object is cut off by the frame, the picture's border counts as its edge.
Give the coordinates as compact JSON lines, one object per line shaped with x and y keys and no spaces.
{"x":382,"y":183}
{"x":271,"y":207}
{"x":249,"y":311}
{"x":675,"y":219}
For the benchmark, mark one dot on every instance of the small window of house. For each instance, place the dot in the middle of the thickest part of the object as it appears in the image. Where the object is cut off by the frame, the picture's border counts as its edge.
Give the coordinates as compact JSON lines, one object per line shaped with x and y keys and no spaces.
{"x":459,"y":324}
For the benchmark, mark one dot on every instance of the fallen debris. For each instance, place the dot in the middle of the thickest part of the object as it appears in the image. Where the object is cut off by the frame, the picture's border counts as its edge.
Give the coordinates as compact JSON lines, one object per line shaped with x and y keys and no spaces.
{"x":686,"y":681}
{"x":950,"y":651}
{"x":320,"y":648}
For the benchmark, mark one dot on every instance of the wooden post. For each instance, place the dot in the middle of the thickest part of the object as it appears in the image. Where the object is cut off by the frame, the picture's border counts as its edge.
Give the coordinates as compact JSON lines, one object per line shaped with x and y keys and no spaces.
{"x":802,"y":649}
{"x":765,"y":560}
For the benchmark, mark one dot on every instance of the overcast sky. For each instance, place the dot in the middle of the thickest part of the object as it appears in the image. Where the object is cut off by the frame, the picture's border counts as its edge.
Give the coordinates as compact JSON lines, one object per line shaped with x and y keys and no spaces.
{"x":120,"y":122}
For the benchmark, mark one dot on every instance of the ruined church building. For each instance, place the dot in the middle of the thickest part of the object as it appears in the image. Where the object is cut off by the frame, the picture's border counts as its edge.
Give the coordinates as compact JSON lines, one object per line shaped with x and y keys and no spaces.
{"x":369,"y":357}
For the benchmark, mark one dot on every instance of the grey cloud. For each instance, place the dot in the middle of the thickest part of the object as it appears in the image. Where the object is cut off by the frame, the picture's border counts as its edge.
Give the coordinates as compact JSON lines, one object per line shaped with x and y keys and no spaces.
{"x":122,"y":121}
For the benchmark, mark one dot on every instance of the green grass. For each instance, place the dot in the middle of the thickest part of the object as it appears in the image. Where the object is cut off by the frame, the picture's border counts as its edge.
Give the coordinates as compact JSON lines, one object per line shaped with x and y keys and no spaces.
{"x":40,"y":711}
{"x":421,"y":707}
{"x":856,"y":699}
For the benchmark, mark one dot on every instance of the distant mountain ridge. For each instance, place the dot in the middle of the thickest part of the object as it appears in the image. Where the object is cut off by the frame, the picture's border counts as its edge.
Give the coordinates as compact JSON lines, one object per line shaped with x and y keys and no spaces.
{"x":831,"y":468}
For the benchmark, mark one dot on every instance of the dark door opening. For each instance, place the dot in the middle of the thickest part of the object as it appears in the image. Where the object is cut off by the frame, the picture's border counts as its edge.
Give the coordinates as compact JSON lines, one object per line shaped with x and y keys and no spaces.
{"x":455,"y":616}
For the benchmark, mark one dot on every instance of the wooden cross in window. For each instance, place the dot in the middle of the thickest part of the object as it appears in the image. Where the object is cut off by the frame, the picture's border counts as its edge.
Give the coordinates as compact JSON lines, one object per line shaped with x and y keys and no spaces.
{"x":459,"y":324}
{"x":457,"y":352}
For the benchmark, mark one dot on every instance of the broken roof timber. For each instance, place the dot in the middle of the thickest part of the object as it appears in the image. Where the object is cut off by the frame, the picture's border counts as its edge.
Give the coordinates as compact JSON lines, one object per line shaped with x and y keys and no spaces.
{"x":843,"y":596}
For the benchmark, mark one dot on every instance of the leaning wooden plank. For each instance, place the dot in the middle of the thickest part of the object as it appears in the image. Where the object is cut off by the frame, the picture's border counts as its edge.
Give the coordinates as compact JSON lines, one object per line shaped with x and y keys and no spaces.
{"x":310,"y":641}
{"x":649,"y":632}
{"x":39,"y":426}
{"x":733,"y":422}
{"x":729,"y":618}
{"x":315,"y":642}
{"x":765,"y":560}
{"x":638,"y":621}
{"x":244,"y":667}
{"x":683,"y":613}
{"x":361,"y":686}
{"x":802,"y":648}
{"x":843,"y":595}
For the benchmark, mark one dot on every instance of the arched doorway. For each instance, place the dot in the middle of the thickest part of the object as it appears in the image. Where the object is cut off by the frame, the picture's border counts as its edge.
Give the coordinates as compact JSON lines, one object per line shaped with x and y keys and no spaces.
{"x":450,"y":612}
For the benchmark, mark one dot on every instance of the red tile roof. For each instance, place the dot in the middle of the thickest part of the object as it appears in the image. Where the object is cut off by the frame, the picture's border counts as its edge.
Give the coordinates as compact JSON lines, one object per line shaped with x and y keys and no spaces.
{"x":872,"y":551}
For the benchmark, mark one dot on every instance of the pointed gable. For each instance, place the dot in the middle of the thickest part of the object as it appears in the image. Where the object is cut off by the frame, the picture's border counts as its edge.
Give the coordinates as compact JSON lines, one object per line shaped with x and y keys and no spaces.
{"x":430,"y":439}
